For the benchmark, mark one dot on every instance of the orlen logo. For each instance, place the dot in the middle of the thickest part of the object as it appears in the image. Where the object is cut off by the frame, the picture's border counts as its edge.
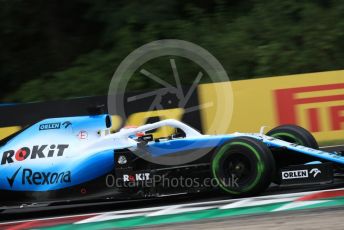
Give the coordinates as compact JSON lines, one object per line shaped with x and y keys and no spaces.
{"x":49,"y":126}
{"x":37,"y":151}
{"x":319,"y":103}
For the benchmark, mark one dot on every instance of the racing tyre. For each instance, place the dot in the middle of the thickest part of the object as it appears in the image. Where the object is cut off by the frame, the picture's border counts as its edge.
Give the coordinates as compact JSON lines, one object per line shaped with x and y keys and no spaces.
{"x":294,"y":134}
{"x":243,"y":166}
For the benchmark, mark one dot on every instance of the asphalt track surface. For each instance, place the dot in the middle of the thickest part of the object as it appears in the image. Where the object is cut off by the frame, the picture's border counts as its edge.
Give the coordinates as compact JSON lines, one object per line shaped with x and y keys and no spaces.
{"x":285,"y":220}
{"x":317,"y":219}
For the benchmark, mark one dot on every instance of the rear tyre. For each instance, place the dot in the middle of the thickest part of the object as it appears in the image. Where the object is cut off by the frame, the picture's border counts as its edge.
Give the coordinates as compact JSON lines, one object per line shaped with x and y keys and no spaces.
{"x":243,"y":166}
{"x":294,"y":134}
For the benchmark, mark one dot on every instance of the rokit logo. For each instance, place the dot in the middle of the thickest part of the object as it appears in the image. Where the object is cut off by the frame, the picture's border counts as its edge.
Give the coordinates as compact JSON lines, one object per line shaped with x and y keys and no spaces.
{"x":37,"y":151}
{"x":136,"y":177}
{"x":30,"y":177}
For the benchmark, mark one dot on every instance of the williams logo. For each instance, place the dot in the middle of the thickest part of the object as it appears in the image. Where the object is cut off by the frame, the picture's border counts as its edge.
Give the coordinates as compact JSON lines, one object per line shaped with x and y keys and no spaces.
{"x":30,"y":177}
{"x":122,"y":160}
{"x":37,"y":151}
{"x":50,"y":126}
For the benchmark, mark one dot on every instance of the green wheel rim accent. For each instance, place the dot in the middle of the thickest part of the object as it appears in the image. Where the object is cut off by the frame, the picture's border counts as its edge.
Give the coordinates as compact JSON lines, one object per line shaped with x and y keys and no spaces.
{"x":215,"y":166}
{"x":297,"y":140}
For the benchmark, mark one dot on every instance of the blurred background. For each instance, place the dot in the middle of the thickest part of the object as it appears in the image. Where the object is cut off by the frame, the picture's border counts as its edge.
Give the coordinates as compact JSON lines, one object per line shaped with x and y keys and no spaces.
{"x":60,"y":49}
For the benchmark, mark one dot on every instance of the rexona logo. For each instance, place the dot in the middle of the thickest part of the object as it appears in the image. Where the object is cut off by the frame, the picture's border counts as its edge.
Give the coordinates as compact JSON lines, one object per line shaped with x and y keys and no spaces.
{"x":37,"y":151}
{"x":295,"y":174}
{"x":30,"y":177}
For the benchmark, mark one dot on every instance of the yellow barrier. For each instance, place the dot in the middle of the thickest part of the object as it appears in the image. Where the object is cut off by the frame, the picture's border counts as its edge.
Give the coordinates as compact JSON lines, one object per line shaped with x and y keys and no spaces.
{"x":314,"y":101}
{"x":6,"y":131}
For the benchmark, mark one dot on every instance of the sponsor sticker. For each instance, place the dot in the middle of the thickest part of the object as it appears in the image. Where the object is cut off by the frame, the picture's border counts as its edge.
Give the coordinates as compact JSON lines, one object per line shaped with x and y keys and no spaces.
{"x":311,"y":173}
{"x":82,"y":135}
{"x":66,"y":124}
{"x":286,"y":175}
{"x":136,"y":177}
{"x":37,"y":151}
{"x":49,"y":126}
{"x":30,"y":177}
{"x":314,"y":172}
{"x":296,"y":174}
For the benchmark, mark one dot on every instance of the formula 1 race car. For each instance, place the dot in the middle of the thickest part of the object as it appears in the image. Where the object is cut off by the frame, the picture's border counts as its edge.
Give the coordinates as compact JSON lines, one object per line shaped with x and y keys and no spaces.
{"x":78,"y":157}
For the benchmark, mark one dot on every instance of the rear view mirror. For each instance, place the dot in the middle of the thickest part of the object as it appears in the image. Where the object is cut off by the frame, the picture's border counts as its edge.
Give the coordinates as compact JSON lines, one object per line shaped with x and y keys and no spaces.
{"x":178,"y":135}
{"x":146,"y":138}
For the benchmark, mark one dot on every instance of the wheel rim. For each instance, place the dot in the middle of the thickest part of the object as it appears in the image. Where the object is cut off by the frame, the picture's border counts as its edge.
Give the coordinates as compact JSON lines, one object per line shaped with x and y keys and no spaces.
{"x":218,"y":163}
{"x":239,"y":169}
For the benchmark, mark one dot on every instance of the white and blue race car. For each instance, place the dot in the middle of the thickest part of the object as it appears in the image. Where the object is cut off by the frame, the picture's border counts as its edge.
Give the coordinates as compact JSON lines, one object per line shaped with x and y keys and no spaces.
{"x":79,"y":157}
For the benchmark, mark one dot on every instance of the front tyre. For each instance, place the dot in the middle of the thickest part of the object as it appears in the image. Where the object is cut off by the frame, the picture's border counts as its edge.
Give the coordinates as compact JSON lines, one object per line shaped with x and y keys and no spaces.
{"x":294,"y":134}
{"x":243,"y":166}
